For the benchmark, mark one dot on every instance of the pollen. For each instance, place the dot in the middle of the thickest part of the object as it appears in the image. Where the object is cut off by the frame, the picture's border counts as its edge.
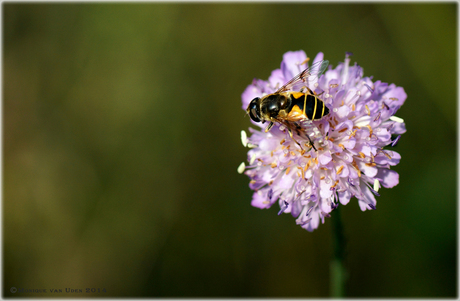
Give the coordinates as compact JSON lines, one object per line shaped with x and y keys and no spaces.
{"x":288,"y":170}
{"x":356,"y":167}
{"x":397,"y":119}
{"x":273,"y":165}
{"x":367,"y":110}
{"x":244,"y":138}
{"x":335,"y":184}
{"x":306,"y":61}
{"x":388,"y":156}
{"x":370,"y":130}
{"x":376,"y":185}
{"x":362,"y":155}
{"x":241,"y":168}
{"x":339,"y":171}
{"x":353,"y":134}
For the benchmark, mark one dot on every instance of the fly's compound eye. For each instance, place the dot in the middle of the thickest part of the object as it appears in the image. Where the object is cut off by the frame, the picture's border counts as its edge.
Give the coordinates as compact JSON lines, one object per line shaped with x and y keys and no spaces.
{"x":254,"y":110}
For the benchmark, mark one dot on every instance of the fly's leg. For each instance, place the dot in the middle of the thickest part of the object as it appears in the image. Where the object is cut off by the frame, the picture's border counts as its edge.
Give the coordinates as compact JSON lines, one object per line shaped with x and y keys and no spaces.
{"x":292,"y":137}
{"x":269,"y":127}
{"x":298,"y":127}
{"x":311,"y":142}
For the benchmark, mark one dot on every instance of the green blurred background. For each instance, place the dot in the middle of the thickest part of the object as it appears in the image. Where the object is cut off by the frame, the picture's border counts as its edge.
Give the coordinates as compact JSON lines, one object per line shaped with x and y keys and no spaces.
{"x":121,"y":140}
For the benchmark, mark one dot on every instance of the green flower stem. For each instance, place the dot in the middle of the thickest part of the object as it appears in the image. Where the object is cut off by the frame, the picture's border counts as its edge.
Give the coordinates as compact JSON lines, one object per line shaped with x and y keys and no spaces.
{"x":337,"y":269}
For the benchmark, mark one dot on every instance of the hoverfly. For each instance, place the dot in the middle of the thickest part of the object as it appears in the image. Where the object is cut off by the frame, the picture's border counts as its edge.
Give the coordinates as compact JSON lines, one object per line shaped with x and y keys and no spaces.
{"x":292,"y":103}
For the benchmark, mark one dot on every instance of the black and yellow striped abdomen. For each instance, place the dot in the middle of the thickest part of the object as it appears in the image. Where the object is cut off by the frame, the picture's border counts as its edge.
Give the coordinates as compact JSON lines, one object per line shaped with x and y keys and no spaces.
{"x":310,"y":105}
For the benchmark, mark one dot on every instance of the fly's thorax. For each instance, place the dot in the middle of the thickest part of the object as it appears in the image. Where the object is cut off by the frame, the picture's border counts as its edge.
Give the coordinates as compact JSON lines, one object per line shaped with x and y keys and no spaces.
{"x":275,"y":105}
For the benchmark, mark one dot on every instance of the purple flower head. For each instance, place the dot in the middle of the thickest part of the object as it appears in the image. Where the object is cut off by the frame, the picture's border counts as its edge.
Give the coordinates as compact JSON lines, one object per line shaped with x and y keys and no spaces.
{"x":330,"y":160}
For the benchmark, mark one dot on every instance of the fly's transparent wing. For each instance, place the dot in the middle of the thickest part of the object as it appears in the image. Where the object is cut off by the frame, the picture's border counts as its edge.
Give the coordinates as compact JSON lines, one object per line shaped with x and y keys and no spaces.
{"x":305,"y":78}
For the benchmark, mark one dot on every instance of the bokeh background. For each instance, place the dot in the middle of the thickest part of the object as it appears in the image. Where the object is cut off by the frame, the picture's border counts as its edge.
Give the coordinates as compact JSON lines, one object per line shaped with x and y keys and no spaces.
{"x":121,"y":140}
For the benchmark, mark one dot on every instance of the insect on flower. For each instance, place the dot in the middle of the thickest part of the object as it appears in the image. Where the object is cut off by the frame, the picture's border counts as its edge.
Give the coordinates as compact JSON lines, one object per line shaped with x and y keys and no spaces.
{"x":291,"y":104}
{"x":346,"y":122}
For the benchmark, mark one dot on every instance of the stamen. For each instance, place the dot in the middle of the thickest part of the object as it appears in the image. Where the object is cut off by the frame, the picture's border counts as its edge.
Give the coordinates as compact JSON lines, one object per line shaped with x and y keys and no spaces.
{"x":340,"y":169}
{"x":373,"y":190}
{"x":283,"y":207}
{"x":394,"y":142}
{"x":377,"y":117}
{"x":396,"y":119}
{"x":253,"y":158}
{"x":367,"y":110}
{"x":370,"y":130}
{"x":305,"y":222}
{"x":270,"y":194}
{"x":386,"y":154}
{"x":353,"y":134}
{"x":350,"y":181}
{"x":241,"y":168}
{"x":325,"y":214}
{"x":356,"y":167}
{"x":369,"y":88}
{"x":376,"y":185}
{"x":244,"y":138}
